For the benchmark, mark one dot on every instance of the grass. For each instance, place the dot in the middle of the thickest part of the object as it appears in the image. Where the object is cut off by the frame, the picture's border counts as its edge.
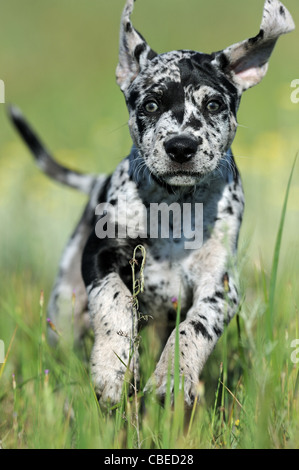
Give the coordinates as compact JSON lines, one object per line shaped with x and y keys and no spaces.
{"x":249,"y":387}
{"x":253,"y":403}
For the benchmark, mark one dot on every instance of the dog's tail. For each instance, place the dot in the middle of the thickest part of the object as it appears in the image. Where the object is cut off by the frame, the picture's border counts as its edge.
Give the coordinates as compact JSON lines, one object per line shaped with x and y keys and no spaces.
{"x":44,"y":160}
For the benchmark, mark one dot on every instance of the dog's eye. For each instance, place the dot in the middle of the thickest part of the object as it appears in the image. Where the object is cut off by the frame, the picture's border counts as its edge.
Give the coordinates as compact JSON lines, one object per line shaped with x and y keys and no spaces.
{"x":213,"y":106}
{"x":151,"y":107}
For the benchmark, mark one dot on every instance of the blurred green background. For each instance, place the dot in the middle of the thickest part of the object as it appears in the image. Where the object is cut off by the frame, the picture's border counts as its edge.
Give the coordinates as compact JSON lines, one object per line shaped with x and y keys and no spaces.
{"x":58,"y":59}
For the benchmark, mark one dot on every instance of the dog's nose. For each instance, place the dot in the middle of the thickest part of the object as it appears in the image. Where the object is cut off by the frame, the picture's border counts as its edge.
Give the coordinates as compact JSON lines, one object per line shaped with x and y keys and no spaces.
{"x":181,"y":148}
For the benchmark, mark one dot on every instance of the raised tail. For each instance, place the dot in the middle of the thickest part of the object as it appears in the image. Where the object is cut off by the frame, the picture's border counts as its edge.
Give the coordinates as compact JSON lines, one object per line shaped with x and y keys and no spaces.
{"x":44,"y":160}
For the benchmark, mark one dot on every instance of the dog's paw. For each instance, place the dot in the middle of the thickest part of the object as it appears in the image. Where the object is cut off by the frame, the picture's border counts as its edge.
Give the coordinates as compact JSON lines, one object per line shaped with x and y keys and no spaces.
{"x":162,"y":384}
{"x":110,"y":373}
{"x":108,"y":384}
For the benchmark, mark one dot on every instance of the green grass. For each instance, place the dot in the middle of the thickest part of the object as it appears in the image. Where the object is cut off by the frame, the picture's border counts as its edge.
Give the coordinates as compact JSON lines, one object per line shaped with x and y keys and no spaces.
{"x":254,"y":402}
{"x":64,"y":82}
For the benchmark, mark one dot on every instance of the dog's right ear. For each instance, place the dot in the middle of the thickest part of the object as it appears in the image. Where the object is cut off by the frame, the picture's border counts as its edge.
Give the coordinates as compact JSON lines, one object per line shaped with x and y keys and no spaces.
{"x":134,"y":52}
{"x":246,"y":62}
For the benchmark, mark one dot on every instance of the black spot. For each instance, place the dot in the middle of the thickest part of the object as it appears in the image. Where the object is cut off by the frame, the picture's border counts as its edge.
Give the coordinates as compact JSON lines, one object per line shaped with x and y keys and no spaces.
{"x":131,"y":102}
{"x":256,"y":38}
{"x":152,"y":288}
{"x":209,"y":300}
{"x":139,"y":50}
{"x":116,"y":295}
{"x":217,"y":331}
{"x":229,"y":210}
{"x":174,"y":99}
{"x":282,"y":11}
{"x":120,"y":373}
{"x":219,"y":295}
{"x":223,"y":61}
{"x":194,"y":122}
{"x":200,"y":328}
{"x":151,"y":54}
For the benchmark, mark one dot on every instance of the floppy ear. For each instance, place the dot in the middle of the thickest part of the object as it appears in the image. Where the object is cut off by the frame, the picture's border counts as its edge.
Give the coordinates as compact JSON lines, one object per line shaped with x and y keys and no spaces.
{"x":246,"y":62}
{"x":134,"y":52}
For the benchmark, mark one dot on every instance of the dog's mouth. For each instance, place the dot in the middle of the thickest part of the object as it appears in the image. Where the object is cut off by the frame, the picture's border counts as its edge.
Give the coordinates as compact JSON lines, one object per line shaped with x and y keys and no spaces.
{"x":187,"y":173}
{"x":170,"y":174}
{"x":182,"y":178}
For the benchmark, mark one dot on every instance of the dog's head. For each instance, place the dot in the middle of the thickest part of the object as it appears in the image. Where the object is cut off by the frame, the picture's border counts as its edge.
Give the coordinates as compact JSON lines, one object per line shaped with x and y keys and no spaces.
{"x":183,"y":104}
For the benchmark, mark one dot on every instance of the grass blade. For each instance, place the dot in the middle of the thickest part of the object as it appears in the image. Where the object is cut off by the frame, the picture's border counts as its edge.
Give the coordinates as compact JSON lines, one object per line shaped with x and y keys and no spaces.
{"x":273,"y":277}
{"x":177,"y":351}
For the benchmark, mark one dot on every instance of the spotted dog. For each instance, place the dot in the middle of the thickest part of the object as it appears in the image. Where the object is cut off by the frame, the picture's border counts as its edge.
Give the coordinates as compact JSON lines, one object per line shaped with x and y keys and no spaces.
{"x":182,"y":118}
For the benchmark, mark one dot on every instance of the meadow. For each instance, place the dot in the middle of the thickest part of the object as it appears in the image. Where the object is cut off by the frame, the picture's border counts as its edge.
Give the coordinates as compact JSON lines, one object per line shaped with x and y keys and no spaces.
{"x":57,"y":60}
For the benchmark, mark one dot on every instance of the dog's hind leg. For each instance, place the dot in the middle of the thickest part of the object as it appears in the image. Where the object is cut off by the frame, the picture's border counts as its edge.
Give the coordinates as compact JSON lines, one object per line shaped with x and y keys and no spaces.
{"x":67,"y":308}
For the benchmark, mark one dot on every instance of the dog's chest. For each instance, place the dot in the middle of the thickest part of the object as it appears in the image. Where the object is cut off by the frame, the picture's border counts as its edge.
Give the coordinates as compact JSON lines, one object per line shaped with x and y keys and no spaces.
{"x":166,"y":279}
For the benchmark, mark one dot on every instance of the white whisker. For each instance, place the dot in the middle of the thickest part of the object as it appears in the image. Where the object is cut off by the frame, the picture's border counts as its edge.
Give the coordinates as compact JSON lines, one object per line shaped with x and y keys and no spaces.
{"x":243,"y":156}
{"x":245,"y":127}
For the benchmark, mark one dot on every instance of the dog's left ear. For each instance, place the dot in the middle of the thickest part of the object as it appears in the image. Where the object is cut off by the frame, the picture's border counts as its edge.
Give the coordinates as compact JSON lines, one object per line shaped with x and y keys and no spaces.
{"x":246,"y":62}
{"x":134,"y":52}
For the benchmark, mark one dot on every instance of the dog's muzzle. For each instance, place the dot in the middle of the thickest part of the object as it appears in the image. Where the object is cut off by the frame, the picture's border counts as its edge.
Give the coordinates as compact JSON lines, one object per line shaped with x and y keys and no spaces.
{"x":182,"y":149}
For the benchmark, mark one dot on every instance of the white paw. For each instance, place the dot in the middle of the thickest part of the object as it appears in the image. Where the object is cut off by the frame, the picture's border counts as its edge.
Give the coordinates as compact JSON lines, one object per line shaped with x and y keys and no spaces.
{"x":162,"y":384}
{"x":108,"y":385}
{"x":110,"y":371}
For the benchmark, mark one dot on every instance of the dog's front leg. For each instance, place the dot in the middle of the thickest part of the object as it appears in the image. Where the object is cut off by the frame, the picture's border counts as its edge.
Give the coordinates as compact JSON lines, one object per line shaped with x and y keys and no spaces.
{"x":198,"y":335}
{"x":114,"y":355}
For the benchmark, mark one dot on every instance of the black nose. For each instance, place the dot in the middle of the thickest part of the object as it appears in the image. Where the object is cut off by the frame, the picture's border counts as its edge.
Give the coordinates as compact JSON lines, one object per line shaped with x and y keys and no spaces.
{"x":181,"y":148}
